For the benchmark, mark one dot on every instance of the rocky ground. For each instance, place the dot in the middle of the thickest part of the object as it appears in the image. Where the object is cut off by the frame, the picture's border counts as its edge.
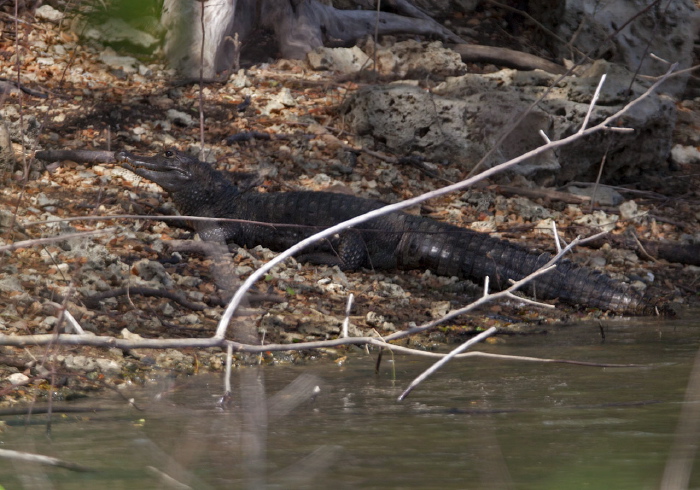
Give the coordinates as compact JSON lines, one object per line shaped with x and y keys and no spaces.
{"x":101,"y":100}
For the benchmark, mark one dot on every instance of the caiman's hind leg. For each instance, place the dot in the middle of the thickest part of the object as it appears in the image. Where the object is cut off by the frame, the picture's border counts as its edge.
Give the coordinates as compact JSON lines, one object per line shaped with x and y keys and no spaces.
{"x":347,"y":250}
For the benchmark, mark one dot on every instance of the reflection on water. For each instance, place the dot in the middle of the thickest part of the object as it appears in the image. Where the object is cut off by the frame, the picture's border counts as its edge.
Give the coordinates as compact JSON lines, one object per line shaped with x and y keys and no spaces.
{"x":478,"y":423}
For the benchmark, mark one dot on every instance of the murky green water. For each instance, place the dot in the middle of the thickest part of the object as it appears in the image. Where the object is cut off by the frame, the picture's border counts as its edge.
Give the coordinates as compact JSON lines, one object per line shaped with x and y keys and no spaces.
{"x":478,"y":423}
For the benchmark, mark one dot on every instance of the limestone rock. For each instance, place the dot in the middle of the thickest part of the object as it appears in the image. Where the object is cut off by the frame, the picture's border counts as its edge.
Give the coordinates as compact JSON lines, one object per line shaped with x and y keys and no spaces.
{"x":463,"y":117}
{"x":343,"y":60}
{"x":668,"y":32}
{"x":50,"y":14}
{"x":415,"y":59}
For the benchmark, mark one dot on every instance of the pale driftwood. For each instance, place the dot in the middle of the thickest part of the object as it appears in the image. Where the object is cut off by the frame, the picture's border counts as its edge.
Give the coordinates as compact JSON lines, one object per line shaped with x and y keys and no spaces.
{"x":93,"y":300}
{"x":682,"y":253}
{"x":506,"y":57}
{"x":167,"y":480}
{"x":7,"y":85}
{"x":77,"y":156}
{"x":548,"y":194}
{"x":53,"y":239}
{"x":41,"y":459}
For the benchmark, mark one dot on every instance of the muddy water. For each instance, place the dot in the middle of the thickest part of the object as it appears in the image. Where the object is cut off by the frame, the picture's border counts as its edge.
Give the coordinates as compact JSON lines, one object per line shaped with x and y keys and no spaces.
{"x":478,"y":423}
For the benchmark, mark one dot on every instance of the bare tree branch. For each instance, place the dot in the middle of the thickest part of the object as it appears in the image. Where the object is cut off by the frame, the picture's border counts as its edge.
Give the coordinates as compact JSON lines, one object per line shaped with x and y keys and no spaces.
{"x":445,"y":360}
{"x":41,"y":459}
{"x":235,"y":301}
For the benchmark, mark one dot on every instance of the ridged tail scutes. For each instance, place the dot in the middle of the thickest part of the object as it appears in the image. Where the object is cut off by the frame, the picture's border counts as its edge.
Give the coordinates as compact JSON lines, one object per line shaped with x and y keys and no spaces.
{"x":448,"y":250}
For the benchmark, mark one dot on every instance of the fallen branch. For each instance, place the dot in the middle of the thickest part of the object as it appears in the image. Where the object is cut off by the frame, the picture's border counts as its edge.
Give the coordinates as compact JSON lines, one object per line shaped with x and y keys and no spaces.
{"x":445,"y":360}
{"x":683,"y":253}
{"x":475,"y":53}
{"x":41,"y":459}
{"x":548,"y":194}
{"x":93,"y":300}
{"x":7,"y":85}
{"x":124,"y":344}
{"x":59,"y":238}
{"x":78,"y":156}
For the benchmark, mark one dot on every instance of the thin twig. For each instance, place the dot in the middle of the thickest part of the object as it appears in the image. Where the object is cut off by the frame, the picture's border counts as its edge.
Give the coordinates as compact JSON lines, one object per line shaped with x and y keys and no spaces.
{"x":95,"y":341}
{"x":596,"y":95}
{"x":41,"y":459}
{"x":346,"y":322}
{"x":227,"y":376}
{"x":445,"y":360}
{"x":201,"y":82}
{"x":73,"y":322}
{"x":556,"y":236}
{"x":42,"y":241}
{"x":598,"y":177}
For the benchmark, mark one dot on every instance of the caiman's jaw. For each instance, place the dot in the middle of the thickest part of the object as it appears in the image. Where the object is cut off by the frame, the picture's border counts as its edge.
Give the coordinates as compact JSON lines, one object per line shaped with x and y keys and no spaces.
{"x":168,"y":169}
{"x":158,"y":163}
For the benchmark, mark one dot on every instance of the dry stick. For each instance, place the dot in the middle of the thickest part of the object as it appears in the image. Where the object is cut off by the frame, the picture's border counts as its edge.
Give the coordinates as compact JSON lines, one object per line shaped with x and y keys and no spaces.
{"x":679,"y":72}
{"x":41,"y":459}
{"x":52,"y":239}
{"x":346,"y":322}
{"x":201,"y":84}
{"x":605,"y":155}
{"x":235,"y":301}
{"x":506,"y":357}
{"x":163,"y":218}
{"x":642,"y":249}
{"x":600,"y":174}
{"x":167,"y":480}
{"x":71,"y":320}
{"x":176,"y":296}
{"x":487,"y":298}
{"x":556,"y":236}
{"x":227,"y":376}
{"x":445,"y":360}
{"x":376,"y":39}
{"x":123,"y":344}
{"x":596,"y":96}
{"x":18,"y":65}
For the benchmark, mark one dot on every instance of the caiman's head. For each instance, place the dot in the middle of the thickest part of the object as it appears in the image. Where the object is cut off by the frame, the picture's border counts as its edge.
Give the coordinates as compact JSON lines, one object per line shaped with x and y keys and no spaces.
{"x":173,"y":170}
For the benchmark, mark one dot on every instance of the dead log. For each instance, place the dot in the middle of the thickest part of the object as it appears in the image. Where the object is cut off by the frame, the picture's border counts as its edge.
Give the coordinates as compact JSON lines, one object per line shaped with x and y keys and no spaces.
{"x":78,"y":156}
{"x":681,"y":253}
{"x":506,"y":57}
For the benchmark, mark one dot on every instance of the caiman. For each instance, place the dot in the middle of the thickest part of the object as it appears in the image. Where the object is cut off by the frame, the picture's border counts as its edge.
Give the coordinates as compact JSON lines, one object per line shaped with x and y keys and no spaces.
{"x":393,"y":241}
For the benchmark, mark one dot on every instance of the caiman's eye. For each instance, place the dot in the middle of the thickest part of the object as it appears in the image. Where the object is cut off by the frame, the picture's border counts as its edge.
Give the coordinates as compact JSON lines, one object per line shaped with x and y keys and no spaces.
{"x":169,"y":154}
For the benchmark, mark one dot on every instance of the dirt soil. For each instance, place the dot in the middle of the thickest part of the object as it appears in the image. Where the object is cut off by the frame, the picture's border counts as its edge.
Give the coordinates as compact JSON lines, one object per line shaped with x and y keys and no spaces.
{"x":91,"y":105}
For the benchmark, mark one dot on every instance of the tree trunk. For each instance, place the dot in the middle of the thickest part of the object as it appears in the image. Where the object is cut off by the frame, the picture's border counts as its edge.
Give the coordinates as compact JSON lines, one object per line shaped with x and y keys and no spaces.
{"x":299,"y":25}
{"x":183,"y":21}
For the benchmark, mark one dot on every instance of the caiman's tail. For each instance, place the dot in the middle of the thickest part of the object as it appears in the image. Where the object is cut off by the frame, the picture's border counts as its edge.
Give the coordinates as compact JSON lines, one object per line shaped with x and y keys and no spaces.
{"x":449,"y":250}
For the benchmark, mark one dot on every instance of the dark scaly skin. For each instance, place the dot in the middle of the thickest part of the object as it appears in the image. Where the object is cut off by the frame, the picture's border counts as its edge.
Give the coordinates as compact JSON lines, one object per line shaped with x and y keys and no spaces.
{"x":395,"y":240}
